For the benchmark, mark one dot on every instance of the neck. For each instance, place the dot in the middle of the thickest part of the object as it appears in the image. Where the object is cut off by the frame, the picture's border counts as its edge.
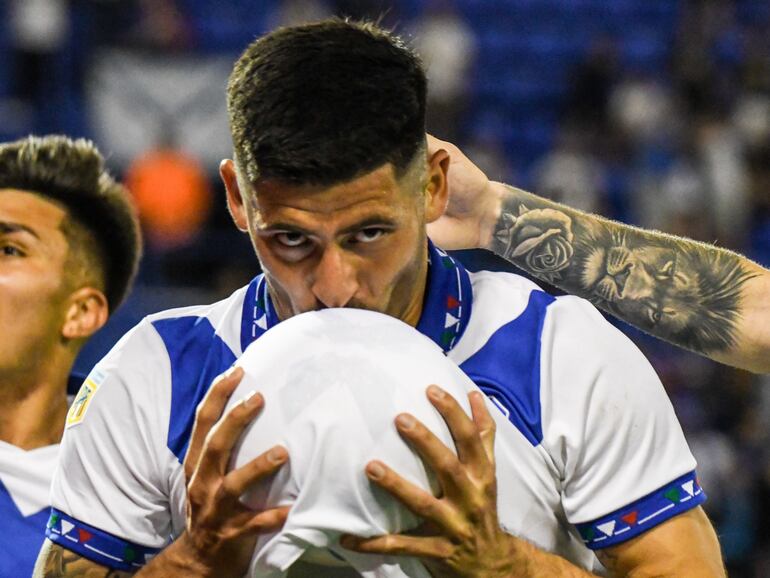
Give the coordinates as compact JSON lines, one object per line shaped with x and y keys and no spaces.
{"x":33,"y":407}
{"x":413,"y":311}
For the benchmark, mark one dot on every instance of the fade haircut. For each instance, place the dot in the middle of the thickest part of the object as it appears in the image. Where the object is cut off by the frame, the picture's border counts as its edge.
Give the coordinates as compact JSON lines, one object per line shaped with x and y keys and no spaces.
{"x":323,"y":103}
{"x":101,"y":226}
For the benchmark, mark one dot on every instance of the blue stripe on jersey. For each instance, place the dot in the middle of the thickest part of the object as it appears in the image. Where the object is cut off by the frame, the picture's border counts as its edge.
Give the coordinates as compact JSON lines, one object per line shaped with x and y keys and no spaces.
{"x":681,"y":495}
{"x":95,"y":544}
{"x":197,"y":355}
{"x":507,"y":368}
{"x":21,"y":537}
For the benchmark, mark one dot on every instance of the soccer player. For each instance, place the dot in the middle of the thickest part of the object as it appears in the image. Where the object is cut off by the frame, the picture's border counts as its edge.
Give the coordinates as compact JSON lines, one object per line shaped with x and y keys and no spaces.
{"x":69,"y":246}
{"x":332,"y":181}
{"x":697,"y":296}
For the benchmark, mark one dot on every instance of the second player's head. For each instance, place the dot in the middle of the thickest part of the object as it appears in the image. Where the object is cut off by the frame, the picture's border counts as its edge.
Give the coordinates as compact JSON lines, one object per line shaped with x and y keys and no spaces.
{"x":69,"y":248}
{"x":331,"y":176}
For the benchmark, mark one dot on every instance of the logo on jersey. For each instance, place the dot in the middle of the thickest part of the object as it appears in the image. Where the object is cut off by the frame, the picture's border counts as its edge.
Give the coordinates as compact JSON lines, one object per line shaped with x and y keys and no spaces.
{"x":83,"y":398}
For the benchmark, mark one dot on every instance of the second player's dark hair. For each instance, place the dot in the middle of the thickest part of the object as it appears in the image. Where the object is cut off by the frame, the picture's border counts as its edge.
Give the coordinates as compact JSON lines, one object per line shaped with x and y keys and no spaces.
{"x":322,"y":103}
{"x":102,"y":226}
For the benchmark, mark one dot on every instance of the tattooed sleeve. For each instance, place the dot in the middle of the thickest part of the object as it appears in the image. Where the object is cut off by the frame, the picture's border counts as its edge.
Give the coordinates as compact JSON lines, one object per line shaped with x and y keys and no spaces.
{"x":681,"y":291}
{"x":61,"y":563}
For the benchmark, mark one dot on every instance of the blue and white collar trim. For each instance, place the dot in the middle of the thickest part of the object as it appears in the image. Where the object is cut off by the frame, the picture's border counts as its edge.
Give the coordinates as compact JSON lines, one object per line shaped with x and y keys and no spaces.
{"x":258,"y":312}
{"x":448,"y":299}
{"x":445,"y":314}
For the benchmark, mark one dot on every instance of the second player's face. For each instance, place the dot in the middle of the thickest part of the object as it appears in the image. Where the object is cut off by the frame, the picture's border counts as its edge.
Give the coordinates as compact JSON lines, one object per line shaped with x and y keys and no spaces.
{"x":360,"y":244}
{"x":33,"y":253}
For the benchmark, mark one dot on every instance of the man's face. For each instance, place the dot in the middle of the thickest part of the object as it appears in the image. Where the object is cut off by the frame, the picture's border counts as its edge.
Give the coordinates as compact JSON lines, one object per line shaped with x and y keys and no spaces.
{"x":33,"y":252}
{"x":358,"y":244}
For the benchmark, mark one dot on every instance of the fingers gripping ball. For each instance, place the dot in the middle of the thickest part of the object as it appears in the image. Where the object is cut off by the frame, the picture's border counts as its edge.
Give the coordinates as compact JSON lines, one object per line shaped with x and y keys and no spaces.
{"x":333,"y":383}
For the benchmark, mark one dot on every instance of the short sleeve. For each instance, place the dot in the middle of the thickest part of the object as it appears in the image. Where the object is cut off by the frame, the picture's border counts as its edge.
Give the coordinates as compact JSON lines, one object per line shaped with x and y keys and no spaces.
{"x":610,"y":429}
{"x":109,"y":494}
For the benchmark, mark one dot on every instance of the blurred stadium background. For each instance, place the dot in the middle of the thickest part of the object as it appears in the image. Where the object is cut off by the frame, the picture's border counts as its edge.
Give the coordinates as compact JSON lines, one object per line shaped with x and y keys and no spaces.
{"x":653,"y":112}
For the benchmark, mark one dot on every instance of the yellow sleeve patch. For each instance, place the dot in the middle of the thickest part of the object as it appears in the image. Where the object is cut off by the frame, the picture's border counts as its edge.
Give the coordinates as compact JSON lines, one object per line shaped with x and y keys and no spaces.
{"x":83,"y":398}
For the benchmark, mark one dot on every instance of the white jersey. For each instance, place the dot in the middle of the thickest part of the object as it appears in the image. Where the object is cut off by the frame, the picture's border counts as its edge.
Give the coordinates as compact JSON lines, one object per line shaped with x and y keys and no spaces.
{"x":605,"y":457}
{"x":25,"y":480}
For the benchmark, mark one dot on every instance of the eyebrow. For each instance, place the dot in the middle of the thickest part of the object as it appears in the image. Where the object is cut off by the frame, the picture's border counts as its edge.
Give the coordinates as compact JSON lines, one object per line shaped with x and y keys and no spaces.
{"x":7,"y":228}
{"x":368,"y":222}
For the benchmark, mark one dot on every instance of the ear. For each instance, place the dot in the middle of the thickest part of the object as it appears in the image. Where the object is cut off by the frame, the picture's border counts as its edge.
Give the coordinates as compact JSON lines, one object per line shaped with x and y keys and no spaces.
{"x":437,"y":187}
{"x":235,"y":201}
{"x":87,"y":312}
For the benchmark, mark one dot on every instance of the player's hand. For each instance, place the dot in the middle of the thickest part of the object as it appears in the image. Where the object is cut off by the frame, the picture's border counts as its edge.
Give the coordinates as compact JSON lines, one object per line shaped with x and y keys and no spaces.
{"x":221,"y":533}
{"x":473,"y":206}
{"x":461,"y":536}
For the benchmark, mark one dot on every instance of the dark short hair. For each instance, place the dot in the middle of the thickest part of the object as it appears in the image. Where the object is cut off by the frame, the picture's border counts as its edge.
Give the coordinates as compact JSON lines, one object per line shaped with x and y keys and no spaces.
{"x":102,"y":224}
{"x":323,"y":103}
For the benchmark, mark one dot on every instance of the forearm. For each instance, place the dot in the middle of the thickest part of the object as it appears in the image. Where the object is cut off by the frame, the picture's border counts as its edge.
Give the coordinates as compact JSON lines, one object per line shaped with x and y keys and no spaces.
{"x":700,"y":297}
{"x":530,"y":562}
{"x":178,"y":559}
{"x":57,"y":562}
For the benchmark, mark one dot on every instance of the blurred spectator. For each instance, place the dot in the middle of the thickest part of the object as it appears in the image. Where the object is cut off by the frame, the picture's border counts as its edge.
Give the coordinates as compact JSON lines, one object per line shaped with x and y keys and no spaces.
{"x":724,"y":169}
{"x":644,"y":109}
{"x":172,"y":195}
{"x":162,"y":26}
{"x":669,"y":194}
{"x":39,"y":30}
{"x":696,"y":70}
{"x":571,"y":174}
{"x":448,"y":47}
{"x":591,"y":86}
{"x":751,"y":118}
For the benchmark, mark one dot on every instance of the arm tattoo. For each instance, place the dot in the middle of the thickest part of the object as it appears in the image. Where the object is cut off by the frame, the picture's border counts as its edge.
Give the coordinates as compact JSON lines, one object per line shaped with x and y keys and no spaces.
{"x":62,"y":563}
{"x":685,"y":292}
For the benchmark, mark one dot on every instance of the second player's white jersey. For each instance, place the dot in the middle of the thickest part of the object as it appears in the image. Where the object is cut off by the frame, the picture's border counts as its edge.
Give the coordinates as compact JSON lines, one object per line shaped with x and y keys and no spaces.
{"x":599,"y":456}
{"x":25,"y":479}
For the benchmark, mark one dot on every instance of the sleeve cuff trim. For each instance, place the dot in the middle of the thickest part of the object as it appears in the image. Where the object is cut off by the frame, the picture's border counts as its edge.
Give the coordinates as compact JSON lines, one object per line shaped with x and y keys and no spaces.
{"x":674,"y":498}
{"x":96,"y":545}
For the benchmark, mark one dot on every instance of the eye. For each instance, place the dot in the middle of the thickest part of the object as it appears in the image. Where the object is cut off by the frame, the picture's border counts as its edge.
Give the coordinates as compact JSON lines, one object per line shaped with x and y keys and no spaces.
{"x":368,"y":235}
{"x":654,"y":315}
{"x":291,"y":239}
{"x":11,"y":251}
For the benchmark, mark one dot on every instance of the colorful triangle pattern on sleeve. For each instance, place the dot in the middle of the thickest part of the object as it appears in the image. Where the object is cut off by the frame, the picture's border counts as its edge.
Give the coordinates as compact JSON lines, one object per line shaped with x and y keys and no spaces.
{"x":680,"y":495}
{"x":97,"y":545}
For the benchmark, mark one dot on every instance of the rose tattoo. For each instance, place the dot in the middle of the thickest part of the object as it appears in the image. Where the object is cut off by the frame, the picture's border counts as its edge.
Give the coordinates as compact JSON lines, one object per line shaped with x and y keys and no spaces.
{"x":542,"y":237}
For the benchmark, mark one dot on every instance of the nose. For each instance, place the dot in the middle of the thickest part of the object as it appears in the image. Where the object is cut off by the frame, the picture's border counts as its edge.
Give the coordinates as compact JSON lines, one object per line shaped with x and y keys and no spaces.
{"x":334,"y":279}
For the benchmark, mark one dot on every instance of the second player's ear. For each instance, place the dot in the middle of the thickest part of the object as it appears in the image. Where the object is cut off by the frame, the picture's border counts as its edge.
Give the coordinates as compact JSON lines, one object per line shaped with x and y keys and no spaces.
{"x":235,"y":201}
{"x":437,"y":186}
{"x":87,"y":312}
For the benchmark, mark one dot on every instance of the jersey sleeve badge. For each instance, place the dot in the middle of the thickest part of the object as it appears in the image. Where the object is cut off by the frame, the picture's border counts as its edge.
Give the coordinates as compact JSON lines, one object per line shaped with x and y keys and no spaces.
{"x":77,"y":411}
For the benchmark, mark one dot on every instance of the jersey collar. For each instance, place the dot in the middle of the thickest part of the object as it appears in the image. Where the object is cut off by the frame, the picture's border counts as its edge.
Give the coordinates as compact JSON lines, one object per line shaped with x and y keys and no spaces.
{"x":445,"y":313}
{"x":448,"y":299}
{"x":258,"y":312}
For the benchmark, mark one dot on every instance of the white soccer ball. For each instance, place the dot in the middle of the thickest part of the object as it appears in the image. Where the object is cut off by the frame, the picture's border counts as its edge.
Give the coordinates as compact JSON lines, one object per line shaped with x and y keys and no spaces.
{"x":333,"y":383}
